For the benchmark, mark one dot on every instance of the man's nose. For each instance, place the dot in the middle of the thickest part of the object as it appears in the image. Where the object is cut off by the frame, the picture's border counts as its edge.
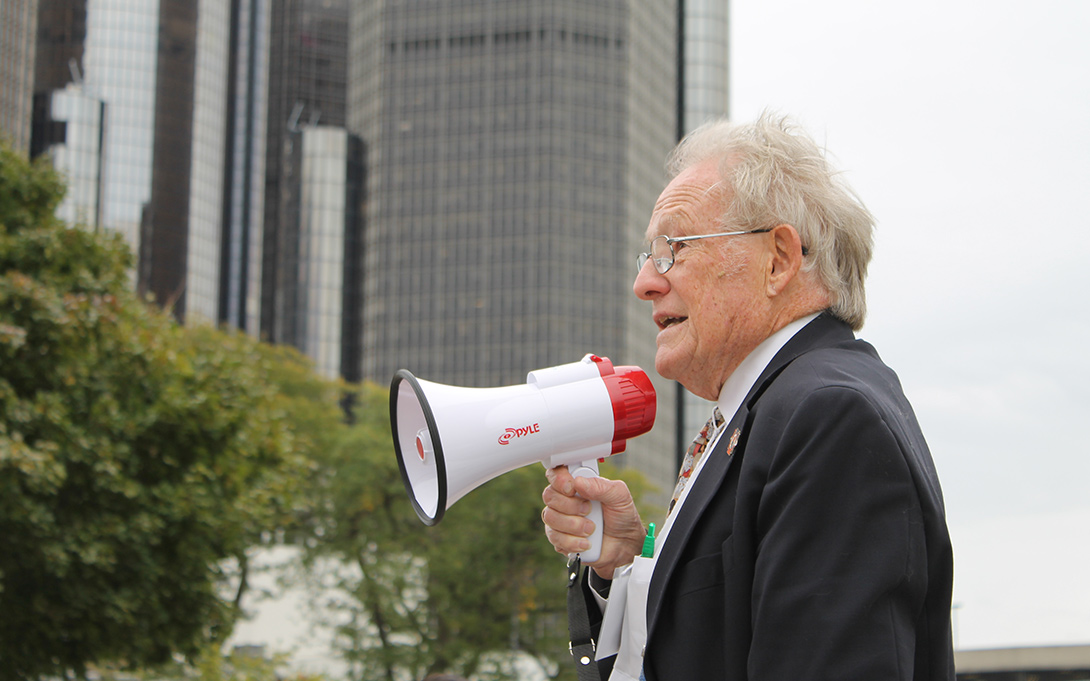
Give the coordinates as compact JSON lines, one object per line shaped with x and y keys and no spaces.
{"x":649,"y":282}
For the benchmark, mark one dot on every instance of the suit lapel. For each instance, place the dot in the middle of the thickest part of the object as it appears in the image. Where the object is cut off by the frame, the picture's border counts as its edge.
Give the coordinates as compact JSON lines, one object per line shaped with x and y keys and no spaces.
{"x":703,"y":490}
{"x":823,"y":331}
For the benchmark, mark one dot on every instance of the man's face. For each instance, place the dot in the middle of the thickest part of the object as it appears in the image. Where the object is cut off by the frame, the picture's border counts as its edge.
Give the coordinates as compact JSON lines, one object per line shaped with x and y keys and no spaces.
{"x":710,"y":307}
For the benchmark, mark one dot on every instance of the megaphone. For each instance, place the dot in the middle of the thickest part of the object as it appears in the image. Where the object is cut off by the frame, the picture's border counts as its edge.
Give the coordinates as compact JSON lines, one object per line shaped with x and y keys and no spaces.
{"x":449,"y":440}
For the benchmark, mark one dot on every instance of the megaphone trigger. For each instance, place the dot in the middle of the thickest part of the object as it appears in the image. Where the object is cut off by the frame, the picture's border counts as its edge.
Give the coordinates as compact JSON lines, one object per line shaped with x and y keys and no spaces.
{"x":589,"y":469}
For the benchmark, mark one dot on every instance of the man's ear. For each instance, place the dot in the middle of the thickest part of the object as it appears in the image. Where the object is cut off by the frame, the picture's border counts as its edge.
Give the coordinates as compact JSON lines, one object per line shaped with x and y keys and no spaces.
{"x":786,"y":258}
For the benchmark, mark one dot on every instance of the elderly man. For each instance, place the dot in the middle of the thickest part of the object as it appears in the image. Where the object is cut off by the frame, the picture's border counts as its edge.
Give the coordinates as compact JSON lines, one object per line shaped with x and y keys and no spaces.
{"x":809,"y":540}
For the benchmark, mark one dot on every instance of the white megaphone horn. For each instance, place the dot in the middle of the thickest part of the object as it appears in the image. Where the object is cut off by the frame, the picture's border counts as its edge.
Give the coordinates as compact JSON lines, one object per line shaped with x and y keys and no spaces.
{"x":449,"y":440}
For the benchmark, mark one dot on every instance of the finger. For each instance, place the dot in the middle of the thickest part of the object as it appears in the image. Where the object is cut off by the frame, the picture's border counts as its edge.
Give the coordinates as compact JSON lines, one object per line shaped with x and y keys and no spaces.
{"x":576,"y":526}
{"x":561,"y":480}
{"x":568,"y":505}
{"x":609,"y":492}
{"x":564,"y":542}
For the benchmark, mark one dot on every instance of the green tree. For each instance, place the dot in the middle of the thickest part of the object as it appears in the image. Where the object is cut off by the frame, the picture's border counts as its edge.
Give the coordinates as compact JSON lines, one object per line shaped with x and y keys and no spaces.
{"x":481,"y":585}
{"x":136,"y":456}
{"x":210,"y":664}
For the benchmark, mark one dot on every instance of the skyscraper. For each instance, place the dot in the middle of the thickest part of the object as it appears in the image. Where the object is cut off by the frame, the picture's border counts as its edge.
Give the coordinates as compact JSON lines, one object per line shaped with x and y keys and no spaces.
{"x":160,"y":68}
{"x":181,"y":226}
{"x":311,"y":247}
{"x":18,"y":26}
{"x":307,"y":71}
{"x":327,"y":311}
{"x":69,"y":126}
{"x":113,"y":61}
{"x":184,"y":126}
{"x":515,"y":151}
{"x":705,"y":63}
{"x":240,"y":270}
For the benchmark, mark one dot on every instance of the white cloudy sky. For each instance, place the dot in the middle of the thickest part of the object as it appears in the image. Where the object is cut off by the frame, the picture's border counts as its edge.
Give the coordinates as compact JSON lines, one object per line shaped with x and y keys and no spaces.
{"x":965,"y":127}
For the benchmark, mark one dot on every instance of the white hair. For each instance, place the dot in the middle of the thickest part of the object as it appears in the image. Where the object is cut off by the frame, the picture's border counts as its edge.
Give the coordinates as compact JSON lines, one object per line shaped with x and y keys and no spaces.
{"x":774,"y":173}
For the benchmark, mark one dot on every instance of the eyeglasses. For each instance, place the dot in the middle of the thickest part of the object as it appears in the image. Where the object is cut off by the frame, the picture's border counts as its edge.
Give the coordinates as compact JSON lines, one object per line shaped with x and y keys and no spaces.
{"x":662,"y":248}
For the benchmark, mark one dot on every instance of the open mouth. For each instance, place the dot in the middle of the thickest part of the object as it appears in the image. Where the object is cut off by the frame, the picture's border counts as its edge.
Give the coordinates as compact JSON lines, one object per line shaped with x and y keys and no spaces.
{"x":666,"y":322}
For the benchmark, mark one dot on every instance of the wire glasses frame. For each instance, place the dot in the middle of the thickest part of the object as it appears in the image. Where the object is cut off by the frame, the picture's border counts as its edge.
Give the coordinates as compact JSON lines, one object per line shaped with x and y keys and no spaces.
{"x":662,"y":248}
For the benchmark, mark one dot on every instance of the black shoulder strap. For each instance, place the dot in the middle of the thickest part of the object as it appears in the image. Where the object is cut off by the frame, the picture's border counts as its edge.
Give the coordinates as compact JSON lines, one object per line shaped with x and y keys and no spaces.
{"x":581,"y":643}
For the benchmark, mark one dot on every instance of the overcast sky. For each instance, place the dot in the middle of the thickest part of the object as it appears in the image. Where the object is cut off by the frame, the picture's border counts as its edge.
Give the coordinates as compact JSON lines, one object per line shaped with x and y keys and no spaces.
{"x":965,"y":128}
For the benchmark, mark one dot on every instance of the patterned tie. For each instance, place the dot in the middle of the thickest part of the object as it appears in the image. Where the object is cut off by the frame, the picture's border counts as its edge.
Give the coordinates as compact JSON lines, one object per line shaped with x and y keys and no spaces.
{"x":693,"y":453}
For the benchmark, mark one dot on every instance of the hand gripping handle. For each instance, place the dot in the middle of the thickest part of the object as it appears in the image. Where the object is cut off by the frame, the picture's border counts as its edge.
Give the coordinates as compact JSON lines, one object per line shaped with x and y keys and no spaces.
{"x":589,"y":469}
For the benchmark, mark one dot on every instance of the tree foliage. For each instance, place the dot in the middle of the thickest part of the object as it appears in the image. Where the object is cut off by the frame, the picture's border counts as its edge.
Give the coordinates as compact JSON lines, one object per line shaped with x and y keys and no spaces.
{"x":211,"y":664}
{"x":135,"y":455}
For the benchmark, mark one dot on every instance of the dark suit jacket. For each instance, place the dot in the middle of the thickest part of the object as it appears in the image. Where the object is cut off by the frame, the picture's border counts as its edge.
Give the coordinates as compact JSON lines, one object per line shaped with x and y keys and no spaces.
{"x":818,"y":547}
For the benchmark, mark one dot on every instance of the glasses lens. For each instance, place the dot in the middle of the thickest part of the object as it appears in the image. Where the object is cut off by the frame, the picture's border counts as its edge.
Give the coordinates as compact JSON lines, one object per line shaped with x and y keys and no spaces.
{"x":661,"y":254}
{"x":641,"y":260}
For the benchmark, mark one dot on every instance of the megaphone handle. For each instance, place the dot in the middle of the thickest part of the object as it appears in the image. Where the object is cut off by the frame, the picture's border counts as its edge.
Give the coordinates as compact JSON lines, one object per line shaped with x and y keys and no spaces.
{"x":589,"y":469}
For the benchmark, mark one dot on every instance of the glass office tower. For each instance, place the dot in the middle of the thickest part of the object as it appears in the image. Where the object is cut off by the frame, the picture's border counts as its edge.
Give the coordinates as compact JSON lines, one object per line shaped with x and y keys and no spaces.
{"x":515,"y":152}
{"x":705,"y":64}
{"x":117,"y":56}
{"x":328,"y":309}
{"x":207,"y":147}
{"x":69,"y":126}
{"x":240,"y":269}
{"x":18,"y":26}
{"x":160,"y":67}
{"x":307,"y":72}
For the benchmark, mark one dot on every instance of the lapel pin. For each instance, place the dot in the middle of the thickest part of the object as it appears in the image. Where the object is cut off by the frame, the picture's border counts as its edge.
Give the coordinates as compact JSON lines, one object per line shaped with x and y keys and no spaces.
{"x":733,"y":441}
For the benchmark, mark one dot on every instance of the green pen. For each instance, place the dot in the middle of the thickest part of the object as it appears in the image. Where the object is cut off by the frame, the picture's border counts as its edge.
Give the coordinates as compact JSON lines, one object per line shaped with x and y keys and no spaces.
{"x":649,"y":542}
